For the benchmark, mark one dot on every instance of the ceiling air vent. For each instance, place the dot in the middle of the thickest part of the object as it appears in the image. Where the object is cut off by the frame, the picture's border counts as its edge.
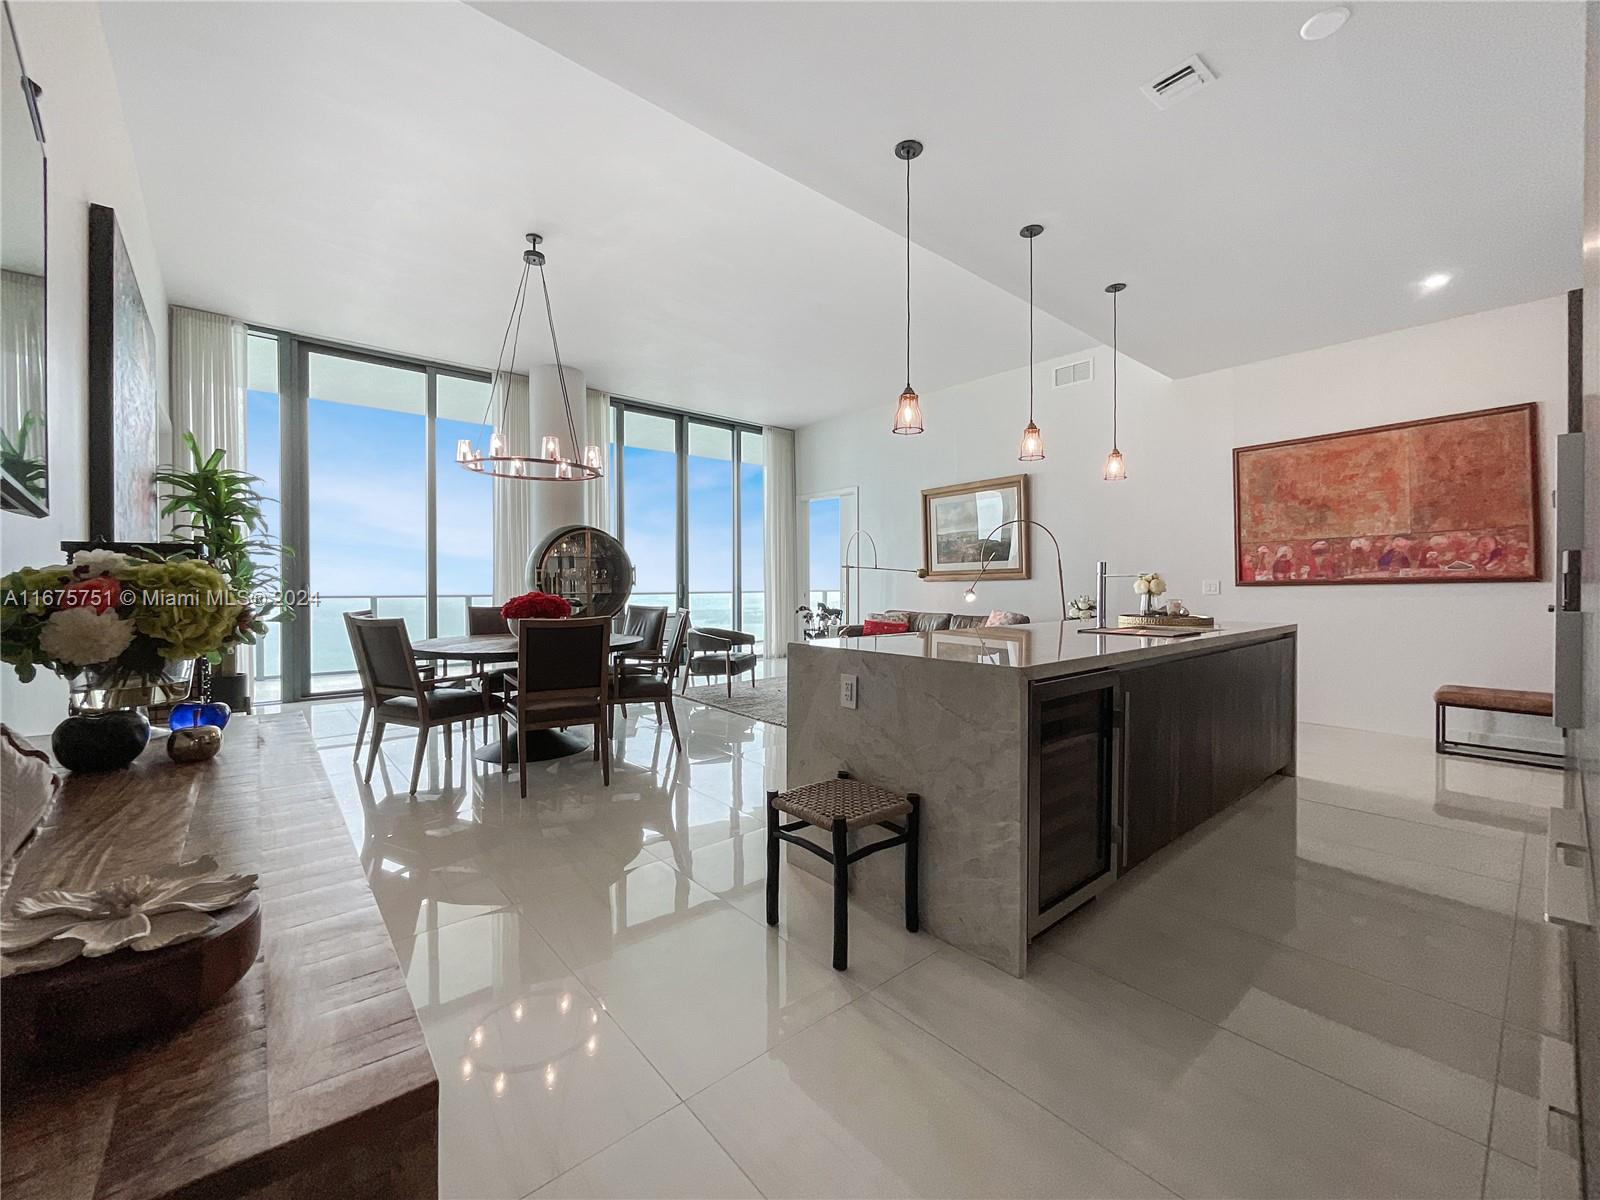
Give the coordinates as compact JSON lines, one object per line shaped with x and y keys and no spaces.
{"x":1081,"y":371}
{"x":1185,"y":79}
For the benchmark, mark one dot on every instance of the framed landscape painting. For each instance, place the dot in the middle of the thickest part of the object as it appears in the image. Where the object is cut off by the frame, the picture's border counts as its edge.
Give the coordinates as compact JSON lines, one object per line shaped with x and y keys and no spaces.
{"x":962,"y":529}
{"x":1452,"y":499}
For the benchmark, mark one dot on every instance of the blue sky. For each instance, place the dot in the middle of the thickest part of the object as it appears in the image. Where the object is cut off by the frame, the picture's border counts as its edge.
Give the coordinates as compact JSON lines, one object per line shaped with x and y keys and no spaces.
{"x":368,"y":485}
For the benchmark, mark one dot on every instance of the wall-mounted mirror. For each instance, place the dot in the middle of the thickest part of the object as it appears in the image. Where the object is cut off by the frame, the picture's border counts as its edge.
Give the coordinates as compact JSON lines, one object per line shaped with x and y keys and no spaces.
{"x":24,"y":445}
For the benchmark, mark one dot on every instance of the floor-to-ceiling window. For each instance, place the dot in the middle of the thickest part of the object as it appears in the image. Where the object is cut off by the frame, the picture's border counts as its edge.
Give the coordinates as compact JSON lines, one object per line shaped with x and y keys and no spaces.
{"x":360,"y":448}
{"x":687,"y":505}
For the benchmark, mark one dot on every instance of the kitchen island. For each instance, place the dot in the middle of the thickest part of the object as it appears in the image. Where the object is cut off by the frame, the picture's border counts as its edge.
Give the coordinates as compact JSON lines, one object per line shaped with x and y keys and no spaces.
{"x":1049,"y":761}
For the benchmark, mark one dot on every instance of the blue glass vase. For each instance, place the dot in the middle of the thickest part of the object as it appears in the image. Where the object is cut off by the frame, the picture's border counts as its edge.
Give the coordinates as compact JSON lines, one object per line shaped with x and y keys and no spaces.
{"x":199,"y":712}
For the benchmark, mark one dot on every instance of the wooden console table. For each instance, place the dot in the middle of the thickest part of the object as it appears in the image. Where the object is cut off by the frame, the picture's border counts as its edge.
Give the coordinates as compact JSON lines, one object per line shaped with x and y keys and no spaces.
{"x":311,"y":1077}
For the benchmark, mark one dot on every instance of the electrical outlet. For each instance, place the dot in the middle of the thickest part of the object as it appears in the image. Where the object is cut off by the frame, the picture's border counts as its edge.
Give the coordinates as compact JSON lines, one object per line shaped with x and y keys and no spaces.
{"x":847,"y":691}
{"x":1210,"y":587}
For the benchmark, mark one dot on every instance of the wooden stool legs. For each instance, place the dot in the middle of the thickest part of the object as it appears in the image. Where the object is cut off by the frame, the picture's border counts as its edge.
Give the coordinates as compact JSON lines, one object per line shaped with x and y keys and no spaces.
{"x":913,"y":848}
{"x":841,"y":894}
{"x":772,"y":860}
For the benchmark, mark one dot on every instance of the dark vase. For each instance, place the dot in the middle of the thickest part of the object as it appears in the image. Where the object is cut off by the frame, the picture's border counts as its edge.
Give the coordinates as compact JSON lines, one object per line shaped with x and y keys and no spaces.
{"x":100,"y":741}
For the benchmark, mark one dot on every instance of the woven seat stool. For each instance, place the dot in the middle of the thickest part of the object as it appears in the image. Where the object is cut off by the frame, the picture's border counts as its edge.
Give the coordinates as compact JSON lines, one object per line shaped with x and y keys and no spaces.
{"x":839,"y":806}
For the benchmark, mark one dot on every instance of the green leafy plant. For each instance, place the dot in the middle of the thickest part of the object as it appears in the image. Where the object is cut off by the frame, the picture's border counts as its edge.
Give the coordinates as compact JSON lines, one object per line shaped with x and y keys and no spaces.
{"x":26,"y":472}
{"x":223,"y":511}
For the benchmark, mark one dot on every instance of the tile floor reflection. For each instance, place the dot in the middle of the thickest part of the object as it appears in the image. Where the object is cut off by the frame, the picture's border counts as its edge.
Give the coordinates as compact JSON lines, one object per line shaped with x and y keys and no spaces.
{"x":1334,"y":989}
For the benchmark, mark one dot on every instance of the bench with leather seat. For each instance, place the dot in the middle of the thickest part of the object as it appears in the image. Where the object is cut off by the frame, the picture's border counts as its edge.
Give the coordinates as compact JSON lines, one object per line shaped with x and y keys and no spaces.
{"x":1487,"y":699}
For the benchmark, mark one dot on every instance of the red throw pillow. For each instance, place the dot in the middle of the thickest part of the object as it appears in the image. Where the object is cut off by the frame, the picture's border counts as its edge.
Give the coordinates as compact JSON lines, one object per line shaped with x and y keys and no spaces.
{"x":872,"y":628}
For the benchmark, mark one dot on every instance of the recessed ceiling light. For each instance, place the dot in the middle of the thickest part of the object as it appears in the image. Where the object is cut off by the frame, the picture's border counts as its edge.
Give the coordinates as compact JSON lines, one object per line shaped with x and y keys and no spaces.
{"x":1435,"y":281}
{"x":1325,"y":24}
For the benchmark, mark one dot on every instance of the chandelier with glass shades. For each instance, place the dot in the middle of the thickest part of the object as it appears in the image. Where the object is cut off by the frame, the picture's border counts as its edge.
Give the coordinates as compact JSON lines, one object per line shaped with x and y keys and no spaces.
{"x":553,"y":463}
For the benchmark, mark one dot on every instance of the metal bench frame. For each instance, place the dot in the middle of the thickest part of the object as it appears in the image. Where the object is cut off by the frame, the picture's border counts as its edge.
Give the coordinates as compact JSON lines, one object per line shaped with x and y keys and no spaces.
{"x":1443,"y":744}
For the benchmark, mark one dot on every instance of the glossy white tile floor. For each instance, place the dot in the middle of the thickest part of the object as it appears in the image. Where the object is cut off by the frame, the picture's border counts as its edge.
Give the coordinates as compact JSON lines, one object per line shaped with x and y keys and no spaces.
{"x":1335,"y":989}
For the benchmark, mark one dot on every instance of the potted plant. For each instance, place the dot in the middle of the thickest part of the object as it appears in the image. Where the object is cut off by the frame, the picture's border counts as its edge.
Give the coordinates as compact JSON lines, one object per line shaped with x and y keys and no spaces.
{"x":221,"y":510}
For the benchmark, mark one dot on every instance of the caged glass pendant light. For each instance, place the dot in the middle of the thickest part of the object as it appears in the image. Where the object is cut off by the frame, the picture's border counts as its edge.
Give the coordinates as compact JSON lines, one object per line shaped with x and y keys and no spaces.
{"x":1032,"y":447}
{"x":498,"y":458}
{"x":908,"y":409}
{"x":1115,"y":467}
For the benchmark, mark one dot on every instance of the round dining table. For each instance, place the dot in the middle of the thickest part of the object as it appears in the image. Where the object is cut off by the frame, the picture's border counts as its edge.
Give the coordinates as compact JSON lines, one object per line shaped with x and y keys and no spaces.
{"x":485,"y":649}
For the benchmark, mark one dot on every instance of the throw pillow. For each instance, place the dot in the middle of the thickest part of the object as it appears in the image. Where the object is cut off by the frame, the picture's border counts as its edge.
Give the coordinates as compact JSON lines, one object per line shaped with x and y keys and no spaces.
{"x":1001,"y":617}
{"x":871,"y":628}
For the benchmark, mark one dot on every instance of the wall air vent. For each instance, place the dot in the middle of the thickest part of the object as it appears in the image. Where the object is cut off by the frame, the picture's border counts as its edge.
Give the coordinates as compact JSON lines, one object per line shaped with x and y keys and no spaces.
{"x":1185,"y":79}
{"x":1081,"y":371}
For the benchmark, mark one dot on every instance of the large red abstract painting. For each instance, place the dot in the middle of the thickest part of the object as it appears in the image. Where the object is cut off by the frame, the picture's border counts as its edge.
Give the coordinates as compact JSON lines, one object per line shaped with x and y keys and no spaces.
{"x":1447,"y":500}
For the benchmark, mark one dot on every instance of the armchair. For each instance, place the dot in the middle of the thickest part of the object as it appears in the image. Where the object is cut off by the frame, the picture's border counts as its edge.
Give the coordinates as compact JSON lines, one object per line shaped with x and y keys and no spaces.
{"x":727,"y":652}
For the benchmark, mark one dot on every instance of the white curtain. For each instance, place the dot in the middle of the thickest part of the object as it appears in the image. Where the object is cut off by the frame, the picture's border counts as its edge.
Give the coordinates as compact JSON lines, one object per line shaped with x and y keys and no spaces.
{"x":513,"y":500}
{"x":597,"y":431}
{"x":782,"y":559}
{"x":22,"y":378}
{"x":208,"y":384}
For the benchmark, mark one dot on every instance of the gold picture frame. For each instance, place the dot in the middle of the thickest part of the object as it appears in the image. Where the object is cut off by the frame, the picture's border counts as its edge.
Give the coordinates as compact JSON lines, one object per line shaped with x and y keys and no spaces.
{"x":956,"y":520}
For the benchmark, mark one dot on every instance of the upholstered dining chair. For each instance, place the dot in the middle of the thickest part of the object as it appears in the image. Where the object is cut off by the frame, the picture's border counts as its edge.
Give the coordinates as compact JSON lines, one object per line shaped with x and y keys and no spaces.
{"x":714,"y":651}
{"x":562,"y":678}
{"x":639,"y":683}
{"x":368,"y":701}
{"x":400,"y":694}
{"x":483,"y":619}
{"x":648,"y":622}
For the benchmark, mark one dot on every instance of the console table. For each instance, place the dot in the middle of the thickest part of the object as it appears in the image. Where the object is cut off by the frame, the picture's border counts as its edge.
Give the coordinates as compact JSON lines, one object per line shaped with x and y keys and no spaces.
{"x":309,"y":1078}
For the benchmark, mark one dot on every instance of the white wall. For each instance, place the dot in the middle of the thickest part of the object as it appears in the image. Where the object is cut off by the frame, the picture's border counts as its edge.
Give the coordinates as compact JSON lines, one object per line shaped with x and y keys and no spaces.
{"x":1370,"y":657}
{"x":90,"y":161}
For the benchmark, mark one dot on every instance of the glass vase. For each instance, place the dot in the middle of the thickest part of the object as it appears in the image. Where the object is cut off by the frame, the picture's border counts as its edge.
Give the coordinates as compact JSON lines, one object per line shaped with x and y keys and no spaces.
{"x":108,"y":689}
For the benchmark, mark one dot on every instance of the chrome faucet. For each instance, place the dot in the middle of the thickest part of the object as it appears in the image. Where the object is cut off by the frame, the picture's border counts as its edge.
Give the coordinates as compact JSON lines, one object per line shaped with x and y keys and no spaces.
{"x":1100,"y":576}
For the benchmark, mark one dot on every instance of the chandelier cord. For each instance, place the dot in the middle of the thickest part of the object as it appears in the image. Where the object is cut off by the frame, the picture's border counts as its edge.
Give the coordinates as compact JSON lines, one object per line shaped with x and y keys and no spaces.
{"x":514,"y":317}
{"x":561,"y":374}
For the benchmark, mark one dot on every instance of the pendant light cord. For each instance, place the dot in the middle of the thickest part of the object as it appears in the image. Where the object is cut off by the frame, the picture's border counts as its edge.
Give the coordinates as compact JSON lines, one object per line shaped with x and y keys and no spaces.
{"x":1030,"y":331}
{"x":908,"y":274}
{"x":1113,"y":370}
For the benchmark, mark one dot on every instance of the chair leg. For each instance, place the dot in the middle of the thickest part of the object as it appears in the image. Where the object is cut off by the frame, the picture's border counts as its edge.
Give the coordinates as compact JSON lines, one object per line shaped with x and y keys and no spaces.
{"x":416,"y":762}
{"x":449,"y":742}
{"x":605,"y":760}
{"x":658,"y":712}
{"x":599,"y":740}
{"x":913,"y":846}
{"x":772,"y":859}
{"x":841,"y":896}
{"x":361,"y":732}
{"x":730,"y":685}
{"x":505,"y":752}
{"x":522,"y":760}
{"x":372,"y":753}
{"x":672,"y":723}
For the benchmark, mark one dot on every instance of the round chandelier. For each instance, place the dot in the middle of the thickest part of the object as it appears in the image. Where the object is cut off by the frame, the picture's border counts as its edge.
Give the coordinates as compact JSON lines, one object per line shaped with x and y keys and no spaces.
{"x":553,"y":463}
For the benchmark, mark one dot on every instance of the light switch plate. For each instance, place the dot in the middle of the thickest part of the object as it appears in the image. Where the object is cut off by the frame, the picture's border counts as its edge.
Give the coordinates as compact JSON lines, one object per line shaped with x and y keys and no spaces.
{"x":847,"y":691}
{"x":1210,"y":587}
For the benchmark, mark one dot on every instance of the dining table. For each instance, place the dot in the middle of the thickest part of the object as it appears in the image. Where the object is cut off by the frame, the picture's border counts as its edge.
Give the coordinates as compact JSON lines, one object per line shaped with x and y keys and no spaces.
{"x":483,"y":650}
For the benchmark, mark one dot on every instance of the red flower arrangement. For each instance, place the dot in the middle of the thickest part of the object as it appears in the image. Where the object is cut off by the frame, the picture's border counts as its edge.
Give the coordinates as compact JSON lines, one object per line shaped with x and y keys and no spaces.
{"x":540,"y":606}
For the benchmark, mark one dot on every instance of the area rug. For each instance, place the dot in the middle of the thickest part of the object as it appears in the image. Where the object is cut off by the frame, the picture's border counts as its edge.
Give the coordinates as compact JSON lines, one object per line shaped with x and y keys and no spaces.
{"x":768,"y":701}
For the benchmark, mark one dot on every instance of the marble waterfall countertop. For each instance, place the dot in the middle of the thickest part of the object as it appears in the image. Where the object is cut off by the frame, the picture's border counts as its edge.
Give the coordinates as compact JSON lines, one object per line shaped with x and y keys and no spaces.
{"x":1048,"y":648}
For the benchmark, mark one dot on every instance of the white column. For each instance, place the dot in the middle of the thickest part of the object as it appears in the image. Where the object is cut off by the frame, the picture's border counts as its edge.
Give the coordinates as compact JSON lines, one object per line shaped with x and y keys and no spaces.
{"x":555,"y":504}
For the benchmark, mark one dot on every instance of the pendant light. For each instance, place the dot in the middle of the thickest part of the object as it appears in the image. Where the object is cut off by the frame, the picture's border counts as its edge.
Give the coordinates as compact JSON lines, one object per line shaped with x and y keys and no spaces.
{"x":552,"y":464}
{"x":908,"y":411}
{"x":1032,"y":447}
{"x":1115,"y":467}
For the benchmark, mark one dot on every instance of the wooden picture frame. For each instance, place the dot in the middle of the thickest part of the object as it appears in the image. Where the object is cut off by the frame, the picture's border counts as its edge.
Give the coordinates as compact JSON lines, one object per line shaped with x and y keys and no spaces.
{"x":953,"y":544}
{"x":1448,"y":499}
{"x":125,"y":420}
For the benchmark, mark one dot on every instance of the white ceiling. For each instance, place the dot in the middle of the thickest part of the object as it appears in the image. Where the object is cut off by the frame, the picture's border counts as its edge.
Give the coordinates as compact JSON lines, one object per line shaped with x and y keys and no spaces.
{"x":365,"y":172}
{"x":1295,"y":203}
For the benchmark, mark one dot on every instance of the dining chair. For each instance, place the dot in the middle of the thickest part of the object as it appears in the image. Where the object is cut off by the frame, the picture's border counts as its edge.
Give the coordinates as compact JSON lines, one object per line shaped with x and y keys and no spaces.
{"x":647,"y":622}
{"x":482,"y":620}
{"x":640,"y":683}
{"x":562,"y":678}
{"x":426,"y":669}
{"x":400,"y":693}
